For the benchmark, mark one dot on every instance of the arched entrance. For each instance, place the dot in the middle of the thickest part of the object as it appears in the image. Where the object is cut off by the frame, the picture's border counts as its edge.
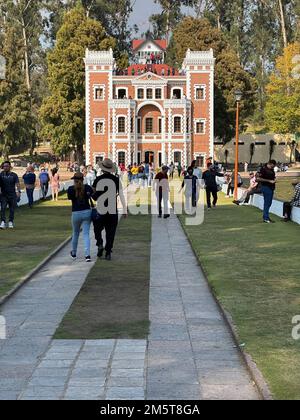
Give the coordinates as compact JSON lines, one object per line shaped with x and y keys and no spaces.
{"x":150,"y":115}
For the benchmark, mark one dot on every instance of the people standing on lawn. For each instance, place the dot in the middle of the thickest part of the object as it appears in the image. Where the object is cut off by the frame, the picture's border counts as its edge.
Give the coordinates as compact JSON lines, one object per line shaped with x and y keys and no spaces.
{"x":55,"y":184}
{"x":196,"y":170}
{"x":44,"y":182}
{"x":162,"y":190}
{"x":29,"y":179}
{"x":172,"y":170}
{"x":179,"y":169}
{"x":90,"y":176}
{"x":81,"y":196}
{"x":295,"y":202}
{"x":191,"y":185}
{"x":135,"y":173}
{"x":107,"y":188}
{"x":254,"y":188}
{"x":267,"y":178}
{"x":209,"y":178}
{"x":10,"y":194}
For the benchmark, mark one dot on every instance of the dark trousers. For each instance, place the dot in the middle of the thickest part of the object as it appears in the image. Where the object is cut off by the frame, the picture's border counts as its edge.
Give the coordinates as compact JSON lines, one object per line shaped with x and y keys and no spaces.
{"x":287,"y":210}
{"x":45,"y":189}
{"x":109,"y":223}
{"x":214,"y":193}
{"x":11,"y":202}
{"x":268,"y":199}
{"x":29,"y":192}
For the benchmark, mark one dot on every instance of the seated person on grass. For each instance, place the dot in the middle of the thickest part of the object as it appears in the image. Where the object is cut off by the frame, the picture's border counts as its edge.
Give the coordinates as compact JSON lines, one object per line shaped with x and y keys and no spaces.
{"x":253,"y":189}
{"x":288,"y":206}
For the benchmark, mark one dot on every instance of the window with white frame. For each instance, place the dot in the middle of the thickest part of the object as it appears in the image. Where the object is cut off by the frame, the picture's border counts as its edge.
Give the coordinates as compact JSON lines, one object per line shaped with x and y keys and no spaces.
{"x":159,"y":125}
{"x":149,"y":125}
{"x":149,"y":94}
{"x":139,"y":125}
{"x":200,"y":92}
{"x":122,"y":93}
{"x":158,"y":93}
{"x":140,"y":93}
{"x":99,"y":93}
{"x":177,"y":124}
{"x":121,"y":125}
{"x":176,"y":93}
{"x":98,"y":127}
{"x":200,"y":126}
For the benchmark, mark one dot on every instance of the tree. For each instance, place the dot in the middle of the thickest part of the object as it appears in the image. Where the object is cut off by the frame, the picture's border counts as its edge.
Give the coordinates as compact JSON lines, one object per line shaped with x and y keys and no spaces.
{"x":252,"y":151}
{"x":199,"y":35}
{"x":17,"y":124}
{"x":63,"y":112}
{"x":283,"y":94}
{"x":226,"y":154}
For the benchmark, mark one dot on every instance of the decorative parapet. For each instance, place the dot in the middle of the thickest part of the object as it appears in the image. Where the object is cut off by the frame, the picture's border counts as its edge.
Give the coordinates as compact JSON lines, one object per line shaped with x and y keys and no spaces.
{"x":99,"y":57}
{"x":178,"y":103}
{"x":122,"y":103}
{"x":196,"y":58}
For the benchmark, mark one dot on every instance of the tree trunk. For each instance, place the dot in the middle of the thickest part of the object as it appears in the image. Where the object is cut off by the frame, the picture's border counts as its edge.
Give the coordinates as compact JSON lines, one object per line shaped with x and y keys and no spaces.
{"x":283,"y":24}
{"x":26,"y":56}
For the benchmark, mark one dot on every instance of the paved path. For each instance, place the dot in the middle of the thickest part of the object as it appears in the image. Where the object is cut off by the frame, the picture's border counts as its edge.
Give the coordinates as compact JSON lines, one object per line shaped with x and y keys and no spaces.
{"x":190,"y":353}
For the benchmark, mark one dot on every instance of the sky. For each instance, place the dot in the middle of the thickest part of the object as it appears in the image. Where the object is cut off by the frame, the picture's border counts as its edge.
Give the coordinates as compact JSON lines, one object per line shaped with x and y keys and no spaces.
{"x":141,"y":13}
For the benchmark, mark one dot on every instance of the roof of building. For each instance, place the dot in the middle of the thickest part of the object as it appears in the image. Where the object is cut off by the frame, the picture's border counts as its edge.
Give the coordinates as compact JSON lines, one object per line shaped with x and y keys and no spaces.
{"x":161,"y":43}
{"x":154,"y":68}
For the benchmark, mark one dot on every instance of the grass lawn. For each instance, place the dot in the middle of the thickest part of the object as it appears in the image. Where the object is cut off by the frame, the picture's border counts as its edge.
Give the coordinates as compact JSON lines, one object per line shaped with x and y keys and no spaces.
{"x":255,"y":271}
{"x":284,"y":188}
{"x":114,"y":301}
{"x":37,"y":233}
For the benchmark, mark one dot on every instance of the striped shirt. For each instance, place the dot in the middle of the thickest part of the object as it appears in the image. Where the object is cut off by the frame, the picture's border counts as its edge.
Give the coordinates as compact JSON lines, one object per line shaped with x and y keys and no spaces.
{"x":296,"y":200}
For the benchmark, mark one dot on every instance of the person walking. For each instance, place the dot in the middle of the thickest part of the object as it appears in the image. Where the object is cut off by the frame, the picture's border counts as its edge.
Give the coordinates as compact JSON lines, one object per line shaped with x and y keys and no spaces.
{"x":179,"y":169}
{"x":55,"y":185}
{"x":172,"y":170}
{"x":81,"y":197}
{"x":267,"y":178}
{"x":10,"y":193}
{"x":44,"y":183}
{"x":196,"y":170}
{"x":162,"y":189}
{"x":209,"y":178}
{"x":29,"y":179}
{"x":107,"y":188}
{"x":295,"y":202}
{"x":191,"y":186}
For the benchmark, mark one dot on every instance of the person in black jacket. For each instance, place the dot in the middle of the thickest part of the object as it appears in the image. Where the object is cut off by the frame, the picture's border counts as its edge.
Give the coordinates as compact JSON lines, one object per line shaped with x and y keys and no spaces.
{"x":107,"y":188}
{"x":211,"y":185}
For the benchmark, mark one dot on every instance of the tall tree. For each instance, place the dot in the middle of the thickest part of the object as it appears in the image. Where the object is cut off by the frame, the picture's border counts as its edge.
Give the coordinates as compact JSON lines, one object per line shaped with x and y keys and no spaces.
{"x":283,"y":94}
{"x":63,"y":112}
{"x":199,"y":35}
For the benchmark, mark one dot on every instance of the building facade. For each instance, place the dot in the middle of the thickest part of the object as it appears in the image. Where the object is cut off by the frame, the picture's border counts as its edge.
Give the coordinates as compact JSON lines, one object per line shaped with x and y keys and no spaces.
{"x":150,"y":112}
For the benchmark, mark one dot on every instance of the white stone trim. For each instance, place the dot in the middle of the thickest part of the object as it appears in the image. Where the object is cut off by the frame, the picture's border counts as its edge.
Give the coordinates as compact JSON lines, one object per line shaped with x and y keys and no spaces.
{"x":87,"y":118}
{"x":126,"y":124}
{"x":199,"y":86}
{"x":197,"y":120}
{"x":176,"y":88}
{"x":149,"y":102}
{"x":96,"y":155}
{"x":122,"y":88}
{"x":173,"y":124}
{"x":95,"y":121}
{"x":99,"y":86}
{"x":104,"y":58}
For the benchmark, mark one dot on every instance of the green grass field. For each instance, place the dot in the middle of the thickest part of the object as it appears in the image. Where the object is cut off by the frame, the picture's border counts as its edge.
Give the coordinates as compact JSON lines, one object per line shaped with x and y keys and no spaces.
{"x":284,"y":188}
{"x":37,"y":233}
{"x":114,"y":301}
{"x":254,"y":271}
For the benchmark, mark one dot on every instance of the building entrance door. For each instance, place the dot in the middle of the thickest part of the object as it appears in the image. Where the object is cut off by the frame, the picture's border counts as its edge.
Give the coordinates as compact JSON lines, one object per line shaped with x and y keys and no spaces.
{"x":149,"y":157}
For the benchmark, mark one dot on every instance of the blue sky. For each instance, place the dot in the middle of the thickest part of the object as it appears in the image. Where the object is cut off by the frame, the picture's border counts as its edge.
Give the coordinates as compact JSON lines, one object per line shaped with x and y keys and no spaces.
{"x":141,"y":12}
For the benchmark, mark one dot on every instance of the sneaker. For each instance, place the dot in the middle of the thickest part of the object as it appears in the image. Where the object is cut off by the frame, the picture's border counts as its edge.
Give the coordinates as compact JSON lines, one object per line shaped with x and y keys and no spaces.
{"x":3,"y":225}
{"x":108,"y":257}
{"x":267,"y":221}
{"x":236,"y":202}
{"x":88,"y":259}
{"x":166,"y":216}
{"x":10,"y":225}
{"x":73,"y":256}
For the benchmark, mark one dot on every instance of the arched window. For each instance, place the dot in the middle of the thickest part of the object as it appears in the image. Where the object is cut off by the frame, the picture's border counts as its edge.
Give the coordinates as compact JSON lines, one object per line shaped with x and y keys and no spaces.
{"x":121,"y":125}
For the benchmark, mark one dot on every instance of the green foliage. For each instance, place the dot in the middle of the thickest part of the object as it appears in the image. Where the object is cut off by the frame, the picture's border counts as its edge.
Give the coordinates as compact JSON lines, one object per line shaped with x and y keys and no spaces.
{"x":283,"y":101}
{"x":199,"y":35}
{"x":63,"y":112}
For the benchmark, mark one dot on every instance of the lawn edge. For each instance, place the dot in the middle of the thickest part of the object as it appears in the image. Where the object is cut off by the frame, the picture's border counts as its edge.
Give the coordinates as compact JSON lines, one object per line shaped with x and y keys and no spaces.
{"x":255,"y":373}
{"x":33,"y":272}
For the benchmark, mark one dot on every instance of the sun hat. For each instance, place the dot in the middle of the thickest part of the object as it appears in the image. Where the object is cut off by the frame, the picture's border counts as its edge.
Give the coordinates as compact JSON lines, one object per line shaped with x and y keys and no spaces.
{"x":107,"y":165}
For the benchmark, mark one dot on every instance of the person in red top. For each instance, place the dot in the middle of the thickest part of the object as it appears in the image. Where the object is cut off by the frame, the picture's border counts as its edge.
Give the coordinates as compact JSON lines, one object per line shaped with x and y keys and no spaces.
{"x":162,"y":190}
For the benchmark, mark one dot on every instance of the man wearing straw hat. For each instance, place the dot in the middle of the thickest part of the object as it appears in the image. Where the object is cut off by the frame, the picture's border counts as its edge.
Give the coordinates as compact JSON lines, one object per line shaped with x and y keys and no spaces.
{"x":107,"y":188}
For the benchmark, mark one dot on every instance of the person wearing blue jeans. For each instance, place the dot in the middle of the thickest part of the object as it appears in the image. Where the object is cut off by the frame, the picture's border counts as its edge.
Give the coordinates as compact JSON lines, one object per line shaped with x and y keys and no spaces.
{"x":267,"y":178}
{"x":81,"y":197}
{"x":29,"y":181}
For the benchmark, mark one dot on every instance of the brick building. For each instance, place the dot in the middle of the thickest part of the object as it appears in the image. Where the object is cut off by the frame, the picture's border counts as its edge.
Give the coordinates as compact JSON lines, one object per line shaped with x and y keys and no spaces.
{"x":150,"y":112}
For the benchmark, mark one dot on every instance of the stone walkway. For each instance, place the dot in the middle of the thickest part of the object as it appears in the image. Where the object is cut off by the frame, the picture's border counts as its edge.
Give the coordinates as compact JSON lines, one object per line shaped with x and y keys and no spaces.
{"x":189,"y":355}
{"x":191,"y":351}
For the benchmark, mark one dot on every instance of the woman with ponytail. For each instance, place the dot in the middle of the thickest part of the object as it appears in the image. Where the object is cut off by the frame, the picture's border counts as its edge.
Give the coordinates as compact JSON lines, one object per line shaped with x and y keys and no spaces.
{"x":81,"y":196}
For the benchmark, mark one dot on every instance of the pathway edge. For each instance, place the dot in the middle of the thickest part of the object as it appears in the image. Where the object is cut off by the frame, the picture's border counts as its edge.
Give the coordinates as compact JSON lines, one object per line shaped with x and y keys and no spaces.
{"x":255,"y":373}
{"x":33,"y":272}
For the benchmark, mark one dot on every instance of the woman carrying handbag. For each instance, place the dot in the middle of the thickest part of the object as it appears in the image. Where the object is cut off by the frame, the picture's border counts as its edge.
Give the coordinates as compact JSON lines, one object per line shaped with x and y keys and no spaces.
{"x":80,"y":195}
